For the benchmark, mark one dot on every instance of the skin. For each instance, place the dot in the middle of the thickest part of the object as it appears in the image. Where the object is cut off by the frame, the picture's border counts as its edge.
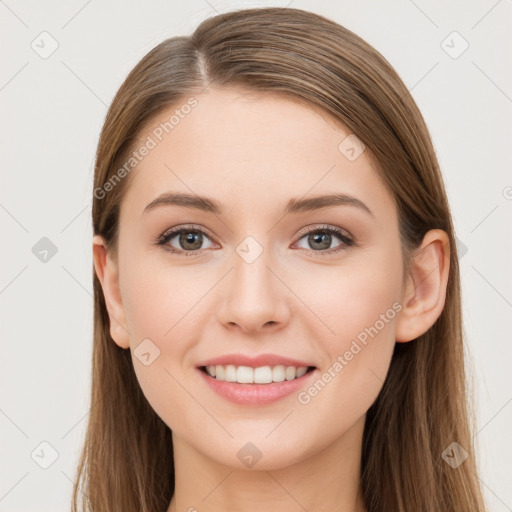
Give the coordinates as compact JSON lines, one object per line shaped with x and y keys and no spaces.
{"x":252,"y":153}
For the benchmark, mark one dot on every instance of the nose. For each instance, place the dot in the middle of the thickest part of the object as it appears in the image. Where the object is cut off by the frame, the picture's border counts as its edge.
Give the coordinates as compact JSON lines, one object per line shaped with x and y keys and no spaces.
{"x":254,"y":297}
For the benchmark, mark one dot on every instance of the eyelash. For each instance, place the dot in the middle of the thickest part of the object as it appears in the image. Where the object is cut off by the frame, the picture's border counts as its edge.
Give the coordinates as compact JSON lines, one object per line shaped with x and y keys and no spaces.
{"x":346,"y":240}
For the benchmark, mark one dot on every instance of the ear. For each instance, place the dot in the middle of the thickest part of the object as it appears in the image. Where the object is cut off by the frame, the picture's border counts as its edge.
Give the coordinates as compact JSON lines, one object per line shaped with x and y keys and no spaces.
{"x":425,"y":288}
{"x":107,"y":271}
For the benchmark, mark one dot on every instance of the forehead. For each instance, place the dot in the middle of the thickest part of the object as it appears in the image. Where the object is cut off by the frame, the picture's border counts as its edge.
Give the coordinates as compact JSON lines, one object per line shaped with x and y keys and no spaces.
{"x":251,"y":150}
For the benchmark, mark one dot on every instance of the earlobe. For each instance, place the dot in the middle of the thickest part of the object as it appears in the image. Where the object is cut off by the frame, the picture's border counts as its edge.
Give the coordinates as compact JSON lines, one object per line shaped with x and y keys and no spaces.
{"x":425,"y":289}
{"x":107,"y":272}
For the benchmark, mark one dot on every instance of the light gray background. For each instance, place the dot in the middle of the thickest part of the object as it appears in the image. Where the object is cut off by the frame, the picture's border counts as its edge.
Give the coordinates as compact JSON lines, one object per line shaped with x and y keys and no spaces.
{"x":52,"y":111}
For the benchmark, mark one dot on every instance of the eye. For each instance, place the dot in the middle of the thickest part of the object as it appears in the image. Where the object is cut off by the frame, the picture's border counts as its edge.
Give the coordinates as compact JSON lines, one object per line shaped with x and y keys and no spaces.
{"x":188,"y":240}
{"x":321,"y":238}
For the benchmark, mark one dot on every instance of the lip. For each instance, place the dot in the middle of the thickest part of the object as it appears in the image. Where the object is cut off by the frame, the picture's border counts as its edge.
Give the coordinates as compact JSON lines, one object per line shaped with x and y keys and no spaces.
{"x":254,"y":362}
{"x":256,"y":394}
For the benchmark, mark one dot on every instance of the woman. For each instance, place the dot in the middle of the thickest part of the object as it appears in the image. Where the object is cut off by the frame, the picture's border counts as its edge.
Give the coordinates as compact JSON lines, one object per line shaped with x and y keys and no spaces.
{"x":277,"y":297}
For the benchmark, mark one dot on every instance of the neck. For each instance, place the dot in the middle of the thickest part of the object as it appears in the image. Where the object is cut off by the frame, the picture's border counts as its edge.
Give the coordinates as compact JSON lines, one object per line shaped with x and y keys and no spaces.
{"x":327,"y":480}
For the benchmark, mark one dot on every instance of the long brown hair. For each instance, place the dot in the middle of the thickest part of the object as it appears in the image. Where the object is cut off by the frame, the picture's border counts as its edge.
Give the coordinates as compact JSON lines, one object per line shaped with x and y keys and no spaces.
{"x":127,"y":459}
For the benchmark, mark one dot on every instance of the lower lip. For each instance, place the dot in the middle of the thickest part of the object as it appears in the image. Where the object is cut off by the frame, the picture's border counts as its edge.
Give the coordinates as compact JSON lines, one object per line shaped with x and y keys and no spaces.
{"x":255,"y":394}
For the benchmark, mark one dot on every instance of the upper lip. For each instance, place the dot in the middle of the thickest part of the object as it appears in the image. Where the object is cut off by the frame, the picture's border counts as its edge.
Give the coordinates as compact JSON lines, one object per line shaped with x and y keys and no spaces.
{"x":254,"y":362}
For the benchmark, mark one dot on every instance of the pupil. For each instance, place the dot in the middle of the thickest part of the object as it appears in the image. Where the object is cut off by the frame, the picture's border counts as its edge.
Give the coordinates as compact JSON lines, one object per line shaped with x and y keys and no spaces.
{"x":189,"y":238}
{"x":323,"y":239}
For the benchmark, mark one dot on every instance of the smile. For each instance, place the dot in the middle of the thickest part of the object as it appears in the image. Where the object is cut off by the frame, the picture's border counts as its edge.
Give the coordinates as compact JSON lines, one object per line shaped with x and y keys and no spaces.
{"x":256,"y":386}
{"x":259,"y":375}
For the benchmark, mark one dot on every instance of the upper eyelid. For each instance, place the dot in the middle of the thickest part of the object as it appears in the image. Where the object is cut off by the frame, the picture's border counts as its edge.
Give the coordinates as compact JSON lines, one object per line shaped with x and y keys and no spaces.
{"x":324,"y":227}
{"x":187,"y":227}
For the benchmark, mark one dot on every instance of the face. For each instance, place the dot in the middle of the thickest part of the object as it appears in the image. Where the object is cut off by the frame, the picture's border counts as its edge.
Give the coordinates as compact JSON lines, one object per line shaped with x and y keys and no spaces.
{"x":305,"y":287}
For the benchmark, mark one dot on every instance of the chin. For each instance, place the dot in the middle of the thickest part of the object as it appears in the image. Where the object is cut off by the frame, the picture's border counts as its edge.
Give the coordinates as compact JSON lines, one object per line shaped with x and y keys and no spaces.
{"x":258,"y":455}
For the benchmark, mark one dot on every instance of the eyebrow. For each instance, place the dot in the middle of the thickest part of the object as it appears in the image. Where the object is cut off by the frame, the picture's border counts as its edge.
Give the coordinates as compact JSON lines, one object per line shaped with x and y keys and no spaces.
{"x":294,"y":205}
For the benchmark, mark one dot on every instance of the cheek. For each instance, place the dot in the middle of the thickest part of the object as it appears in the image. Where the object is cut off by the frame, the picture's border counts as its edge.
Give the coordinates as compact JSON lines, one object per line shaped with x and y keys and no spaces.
{"x":161,"y":305}
{"x":351,"y":299}
{"x":160,"y":300}
{"x":358,"y":305}
{"x":357,"y":357}
{"x":367,"y":307}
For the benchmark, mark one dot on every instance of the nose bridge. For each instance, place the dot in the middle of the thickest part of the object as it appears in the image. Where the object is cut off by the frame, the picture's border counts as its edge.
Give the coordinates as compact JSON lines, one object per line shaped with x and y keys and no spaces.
{"x":251,"y":271}
{"x":253,"y":297}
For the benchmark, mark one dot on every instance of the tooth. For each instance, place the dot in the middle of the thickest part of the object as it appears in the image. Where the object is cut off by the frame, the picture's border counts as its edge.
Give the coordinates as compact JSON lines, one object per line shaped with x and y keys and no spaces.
{"x":278,"y":374}
{"x":220,"y":372}
{"x":230,"y":375}
{"x":290,"y":373}
{"x":244,"y":375}
{"x":263,"y":375}
{"x":301,"y":371}
{"x":260,"y":375}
